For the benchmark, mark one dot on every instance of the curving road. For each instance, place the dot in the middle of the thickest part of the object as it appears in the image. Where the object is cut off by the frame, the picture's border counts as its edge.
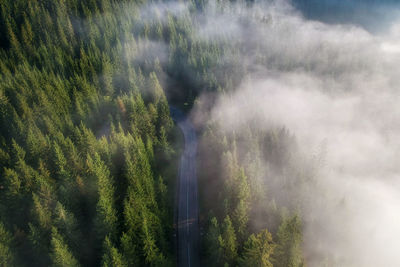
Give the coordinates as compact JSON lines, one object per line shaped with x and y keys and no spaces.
{"x":187,"y":202}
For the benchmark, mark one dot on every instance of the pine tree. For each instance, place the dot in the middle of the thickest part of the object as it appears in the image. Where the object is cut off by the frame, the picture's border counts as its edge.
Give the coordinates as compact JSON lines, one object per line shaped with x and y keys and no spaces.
{"x":106,"y":215}
{"x":61,"y":255}
{"x":131,"y":239}
{"x":41,"y":212}
{"x":162,"y":195}
{"x":212,"y":244}
{"x":12,"y":38}
{"x":67,"y":224}
{"x":288,"y":251}
{"x":228,"y":242}
{"x":107,"y":76}
{"x":165,"y":146}
{"x":150,"y":249}
{"x":129,"y":248}
{"x":140,"y":117}
{"x":6,"y":255}
{"x":59,"y":158}
{"x":257,"y":250}
{"x":112,"y":257}
{"x":164,"y":119}
{"x":27,"y":34}
{"x":240,"y":218}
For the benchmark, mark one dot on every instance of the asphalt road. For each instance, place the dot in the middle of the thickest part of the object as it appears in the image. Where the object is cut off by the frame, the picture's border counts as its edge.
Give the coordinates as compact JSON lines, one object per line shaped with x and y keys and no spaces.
{"x":187,"y":203}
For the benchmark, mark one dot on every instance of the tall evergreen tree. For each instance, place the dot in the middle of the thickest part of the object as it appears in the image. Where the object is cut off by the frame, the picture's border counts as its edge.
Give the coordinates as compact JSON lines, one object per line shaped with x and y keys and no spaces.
{"x":106,"y":214}
{"x":212,"y":243}
{"x":61,"y":255}
{"x":257,"y":250}
{"x":288,"y":251}
{"x":6,"y":252}
{"x":112,"y":257}
{"x":228,"y":242}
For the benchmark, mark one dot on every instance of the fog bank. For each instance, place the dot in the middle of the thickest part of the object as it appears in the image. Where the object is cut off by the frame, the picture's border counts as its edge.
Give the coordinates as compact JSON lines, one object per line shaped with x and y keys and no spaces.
{"x":335,"y":86}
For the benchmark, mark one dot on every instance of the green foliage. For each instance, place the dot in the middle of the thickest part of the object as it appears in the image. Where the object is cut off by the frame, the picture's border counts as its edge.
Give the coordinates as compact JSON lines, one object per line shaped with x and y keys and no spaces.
{"x":85,"y":137}
{"x":212,"y":245}
{"x":6,"y":255}
{"x":243,"y":195}
{"x":61,"y":255}
{"x":228,"y":243}
{"x":112,"y":257}
{"x":82,"y":124}
{"x":257,"y":250}
{"x":105,"y":220}
{"x":288,"y":250}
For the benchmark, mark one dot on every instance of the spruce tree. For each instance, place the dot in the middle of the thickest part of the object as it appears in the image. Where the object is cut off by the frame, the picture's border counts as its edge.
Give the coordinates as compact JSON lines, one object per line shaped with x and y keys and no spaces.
{"x":228,"y":242}
{"x":111,"y":256}
{"x":61,"y":255}
{"x":288,"y":251}
{"x":106,"y":216}
{"x":257,"y":250}
{"x":6,"y":254}
{"x":212,"y":244}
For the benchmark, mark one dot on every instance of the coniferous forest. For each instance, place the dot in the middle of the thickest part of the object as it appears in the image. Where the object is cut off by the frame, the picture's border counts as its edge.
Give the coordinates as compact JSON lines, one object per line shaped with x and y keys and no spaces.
{"x":89,"y":151}
{"x":85,"y":135}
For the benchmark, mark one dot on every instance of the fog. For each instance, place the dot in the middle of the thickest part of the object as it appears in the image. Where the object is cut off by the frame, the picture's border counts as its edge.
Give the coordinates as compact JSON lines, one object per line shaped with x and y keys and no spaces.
{"x":333,"y":85}
{"x":332,"y":80}
{"x":330,"y":75}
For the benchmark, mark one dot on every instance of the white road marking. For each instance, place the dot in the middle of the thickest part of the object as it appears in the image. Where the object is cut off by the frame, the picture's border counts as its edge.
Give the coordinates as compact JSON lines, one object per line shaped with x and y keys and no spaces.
{"x":188,"y":250}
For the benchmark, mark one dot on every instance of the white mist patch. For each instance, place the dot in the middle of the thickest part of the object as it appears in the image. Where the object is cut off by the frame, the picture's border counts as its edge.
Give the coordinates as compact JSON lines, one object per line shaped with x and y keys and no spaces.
{"x":144,"y":50}
{"x":356,"y":222}
{"x":160,"y":11}
{"x":391,"y":47}
{"x":354,"y":214}
{"x":337,"y":86}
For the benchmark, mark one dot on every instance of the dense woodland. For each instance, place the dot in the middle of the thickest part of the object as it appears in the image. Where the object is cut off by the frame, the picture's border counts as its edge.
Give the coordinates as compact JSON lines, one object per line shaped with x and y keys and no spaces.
{"x":86,"y":144}
{"x":255,"y":223}
{"x":84,"y":138}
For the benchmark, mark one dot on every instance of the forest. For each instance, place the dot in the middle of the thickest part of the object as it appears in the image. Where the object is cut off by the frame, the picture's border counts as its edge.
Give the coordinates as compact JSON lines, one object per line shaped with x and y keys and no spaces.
{"x":85,"y":135}
{"x":89,"y":151}
{"x":87,"y":139}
